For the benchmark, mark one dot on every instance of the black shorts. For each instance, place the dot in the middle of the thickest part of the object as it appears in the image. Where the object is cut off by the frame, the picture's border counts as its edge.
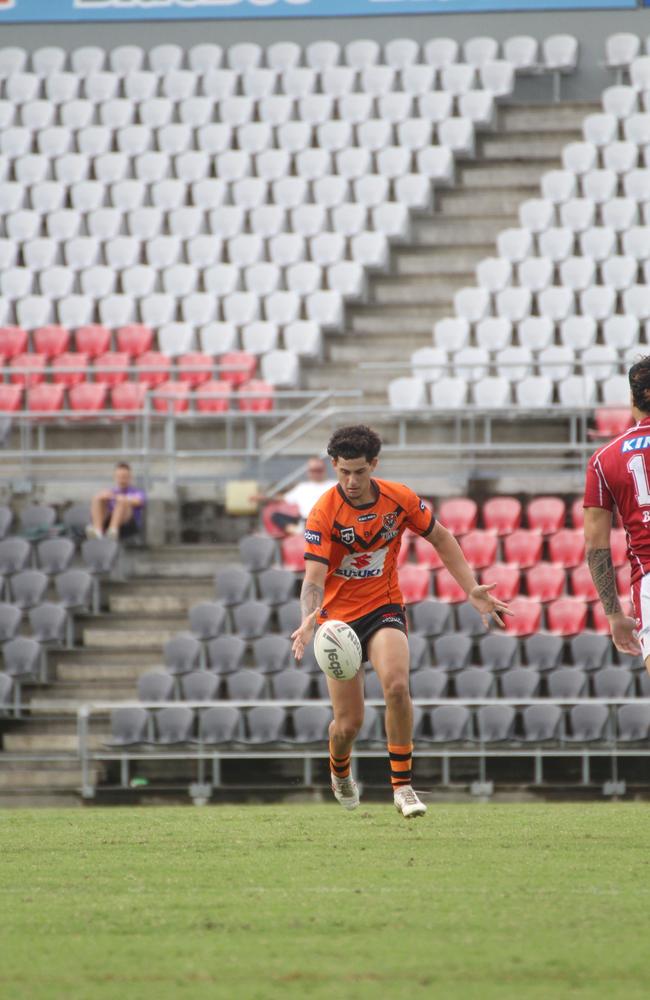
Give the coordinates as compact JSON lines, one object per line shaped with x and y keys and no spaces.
{"x":388,"y":616}
{"x":127,"y":530}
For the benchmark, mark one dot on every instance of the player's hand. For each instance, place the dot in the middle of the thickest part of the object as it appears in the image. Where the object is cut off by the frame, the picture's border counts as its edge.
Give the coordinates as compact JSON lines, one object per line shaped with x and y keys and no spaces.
{"x":624,"y":634}
{"x":490,"y":608}
{"x":303,"y":635}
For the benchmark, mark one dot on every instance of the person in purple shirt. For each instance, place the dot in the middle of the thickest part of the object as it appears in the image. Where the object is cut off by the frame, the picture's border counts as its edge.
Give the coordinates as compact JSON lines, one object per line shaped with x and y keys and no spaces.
{"x":117,"y":512}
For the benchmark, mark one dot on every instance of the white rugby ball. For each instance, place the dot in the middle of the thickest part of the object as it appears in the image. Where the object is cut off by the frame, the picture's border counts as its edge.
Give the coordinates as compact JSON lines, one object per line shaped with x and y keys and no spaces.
{"x":337,"y":650}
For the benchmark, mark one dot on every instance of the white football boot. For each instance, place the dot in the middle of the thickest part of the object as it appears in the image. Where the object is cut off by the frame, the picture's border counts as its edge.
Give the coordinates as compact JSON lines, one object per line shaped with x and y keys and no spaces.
{"x":407,"y":803}
{"x":346,"y":791}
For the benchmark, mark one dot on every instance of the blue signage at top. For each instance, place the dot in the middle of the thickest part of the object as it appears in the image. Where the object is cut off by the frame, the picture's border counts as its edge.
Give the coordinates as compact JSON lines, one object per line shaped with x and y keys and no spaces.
{"x":17,"y":11}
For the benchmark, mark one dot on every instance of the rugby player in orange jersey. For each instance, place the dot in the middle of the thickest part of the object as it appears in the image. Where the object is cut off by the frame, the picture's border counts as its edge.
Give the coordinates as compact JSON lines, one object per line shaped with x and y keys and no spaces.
{"x":352,"y":537}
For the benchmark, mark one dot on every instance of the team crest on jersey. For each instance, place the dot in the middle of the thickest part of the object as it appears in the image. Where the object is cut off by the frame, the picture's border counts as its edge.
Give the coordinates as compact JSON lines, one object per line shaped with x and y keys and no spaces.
{"x":389,"y":521}
{"x":347,"y":536}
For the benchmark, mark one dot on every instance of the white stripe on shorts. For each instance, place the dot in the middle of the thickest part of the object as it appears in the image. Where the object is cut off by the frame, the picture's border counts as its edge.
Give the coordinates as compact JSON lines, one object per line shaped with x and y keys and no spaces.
{"x":644,"y":611}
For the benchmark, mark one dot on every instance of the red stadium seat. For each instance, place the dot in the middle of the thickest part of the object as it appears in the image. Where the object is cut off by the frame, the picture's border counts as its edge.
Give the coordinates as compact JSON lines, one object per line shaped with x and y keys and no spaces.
{"x":507,"y":577}
{"x":255,"y":396}
{"x":51,"y":340}
{"x":88,"y":396}
{"x":581,"y":583}
{"x":479,"y":548}
{"x":13,"y":341}
{"x":545,"y":581}
{"x":459,"y":515}
{"x":243,"y":367}
{"x":623,"y":578}
{"x":129,"y":396}
{"x":567,"y":547}
{"x":213,"y":396}
{"x":425,"y":554}
{"x":618,"y":545}
{"x":134,"y":339}
{"x":447,"y":589}
{"x":567,"y":616}
{"x":11,"y":397}
{"x":48,"y":397}
{"x":292,"y":550}
{"x":171,"y":397}
{"x":525,"y":618}
{"x":70,"y":368}
{"x":502,"y":514}
{"x":112,"y":359}
{"x":577,"y":513}
{"x":93,"y":339}
{"x":194,"y":360}
{"x":612,"y":422}
{"x":547,"y":514}
{"x":599,"y":617}
{"x":415,"y":583}
{"x":34,"y":362}
{"x":280,"y":507}
{"x":522,"y":547}
{"x":156,"y":368}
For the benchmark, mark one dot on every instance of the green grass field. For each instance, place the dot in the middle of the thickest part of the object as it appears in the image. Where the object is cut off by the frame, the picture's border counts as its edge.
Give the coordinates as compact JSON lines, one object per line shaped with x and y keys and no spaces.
{"x":258,"y":902}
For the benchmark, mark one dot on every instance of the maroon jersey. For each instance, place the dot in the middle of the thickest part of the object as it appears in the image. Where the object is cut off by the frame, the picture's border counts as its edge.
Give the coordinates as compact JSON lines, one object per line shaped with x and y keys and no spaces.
{"x":618,"y":474}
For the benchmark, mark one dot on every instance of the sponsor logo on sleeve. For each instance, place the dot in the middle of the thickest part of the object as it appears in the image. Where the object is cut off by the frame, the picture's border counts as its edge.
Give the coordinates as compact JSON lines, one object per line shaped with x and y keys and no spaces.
{"x":312,"y":537}
{"x":423,"y":506}
{"x":636,"y":443}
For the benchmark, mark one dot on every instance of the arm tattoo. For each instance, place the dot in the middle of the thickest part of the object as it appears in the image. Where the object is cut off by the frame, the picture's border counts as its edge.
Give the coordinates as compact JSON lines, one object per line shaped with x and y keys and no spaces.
{"x":311,"y":597}
{"x":602,"y":573}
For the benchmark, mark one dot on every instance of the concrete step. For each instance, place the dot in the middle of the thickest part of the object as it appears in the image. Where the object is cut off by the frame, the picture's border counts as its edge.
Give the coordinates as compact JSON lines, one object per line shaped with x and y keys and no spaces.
{"x":148,"y":634}
{"x":102,"y":657}
{"x":369,"y":345}
{"x":121,"y":672}
{"x":183,"y":561}
{"x":498,"y":174}
{"x":154,"y":594}
{"x":522,"y":146}
{"x":438,"y":231}
{"x":56,"y":697}
{"x":566,"y":116}
{"x":331,"y":373}
{"x":43,"y":774}
{"x":486,"y":203}
{"x":395,"y":320}
{"x":422,"y":289}
{"x":419,"y":259}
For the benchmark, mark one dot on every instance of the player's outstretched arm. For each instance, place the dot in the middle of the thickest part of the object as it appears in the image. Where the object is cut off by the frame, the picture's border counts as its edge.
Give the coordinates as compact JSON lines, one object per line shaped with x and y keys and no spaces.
{"x":311,"y":598}
{"x":597,"y":528}
{"x":489,"y":607}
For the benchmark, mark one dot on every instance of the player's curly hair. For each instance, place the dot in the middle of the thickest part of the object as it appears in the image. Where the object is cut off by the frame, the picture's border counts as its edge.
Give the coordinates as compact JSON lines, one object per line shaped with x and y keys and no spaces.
{"x":356,"y":441}
{"x":639,"y":376}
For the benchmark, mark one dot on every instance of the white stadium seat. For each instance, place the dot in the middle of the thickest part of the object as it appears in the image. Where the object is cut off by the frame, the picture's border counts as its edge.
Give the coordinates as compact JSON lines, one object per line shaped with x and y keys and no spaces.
{"x":452,"y":333}
{"x":578,"y":332}
{"x":534,"y":392}
{"x":493,"y":273}
{"x":407,"y":393}
{"x":449,"y":393}
{"x":536,"y":273}
{"x":492,"y":392}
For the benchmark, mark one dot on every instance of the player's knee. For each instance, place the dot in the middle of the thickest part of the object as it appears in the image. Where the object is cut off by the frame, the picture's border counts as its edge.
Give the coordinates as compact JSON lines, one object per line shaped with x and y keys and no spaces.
{"x":396,"y":691}
{"x":347,"y":729}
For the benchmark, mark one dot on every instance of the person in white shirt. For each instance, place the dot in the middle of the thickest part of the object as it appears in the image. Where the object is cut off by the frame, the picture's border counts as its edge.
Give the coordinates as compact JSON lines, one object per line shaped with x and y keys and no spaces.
{"x":303,"y":495}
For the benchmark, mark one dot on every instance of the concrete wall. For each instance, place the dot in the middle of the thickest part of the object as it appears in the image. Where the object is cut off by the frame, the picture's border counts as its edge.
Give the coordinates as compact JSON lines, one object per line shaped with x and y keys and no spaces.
{"x":591,"y":27}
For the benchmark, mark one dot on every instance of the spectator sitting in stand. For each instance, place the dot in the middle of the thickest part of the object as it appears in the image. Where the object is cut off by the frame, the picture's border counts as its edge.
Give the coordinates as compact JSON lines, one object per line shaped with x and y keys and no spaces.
{"x":303,"y":496}
{"x":117,"y":512}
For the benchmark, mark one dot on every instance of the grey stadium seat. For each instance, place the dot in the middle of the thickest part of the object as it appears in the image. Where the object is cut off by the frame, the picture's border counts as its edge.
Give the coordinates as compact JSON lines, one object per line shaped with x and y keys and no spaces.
{"x":36,"y":520}
{"x":182,"y":654}
{"x":499,"y":652}
{"x":272,"y":653}
{"x":75,"y":519}
{"x":49,"y":622}
{"x":591,"y":651}
{"x":289,"y":616}
{"x":567,"y":682}
{"x":156,"y":685}
{"x":246,"y":685}
{"x":633,"y":723}
{"x":429,"y":682}
{"x":14,"y":554}
{"x":311,"y":723}
{"x":419,"y":652}
{"x":265,"y":724}
{"x":644,"y":684}
{"x":588,"y":723}
{"x":251,"y":619}
{"x":541,"y":722}
{"x":495,"y":723}
{"x":129,"y":726}
{"x":6,"y":517}
{"x":469,"y":620}
{"x":54,"y":555}
{"x":431,"y":618}
{"x":200,"y":685}
{"x":290,"y":685}
{"x":233,"y":585}
{"x":613,"y":682}
{"x":74,"y":588}
{"x":372,"y":686}
{"x":371,"y":727}
{"x":474,"y":682}
{"x":28,"y":587}
{"x":226,"y":653}
{"x":22,"y":657}
{"x":322,"y":691}
{"x":10,"y":619}
{"x":207,"y":619}
{"x":99,"y":555}
{"x":452,"y":652}
{"x":257,"y":552}
{"x":7,"y":693}
{"x":543,"y":651}
{"x":276,"y":585}
{"x":520,"y":682}
{"x":173,"y":725}
{"x":450,"y":723}
{"x":220,"y":724}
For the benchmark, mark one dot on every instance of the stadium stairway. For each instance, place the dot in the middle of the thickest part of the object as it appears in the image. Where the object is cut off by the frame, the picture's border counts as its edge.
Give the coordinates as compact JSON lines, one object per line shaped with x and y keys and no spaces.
{"x":114,"y":649}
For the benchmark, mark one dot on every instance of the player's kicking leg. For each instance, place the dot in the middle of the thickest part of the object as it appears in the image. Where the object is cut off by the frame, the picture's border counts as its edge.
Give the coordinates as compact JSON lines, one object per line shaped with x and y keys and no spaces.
{"x":347,"y":704}
{"x":389,"y":654}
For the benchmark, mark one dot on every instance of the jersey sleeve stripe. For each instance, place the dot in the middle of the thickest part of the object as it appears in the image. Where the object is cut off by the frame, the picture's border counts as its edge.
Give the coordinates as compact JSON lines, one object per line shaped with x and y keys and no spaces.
{"x":309,"y":555}
{"x":429,"y":529}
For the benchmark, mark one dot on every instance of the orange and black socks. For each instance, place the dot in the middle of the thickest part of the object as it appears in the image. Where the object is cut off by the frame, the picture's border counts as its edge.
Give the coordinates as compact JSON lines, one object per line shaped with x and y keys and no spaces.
{"x":401,"y":758}
{"x":339,"y":766}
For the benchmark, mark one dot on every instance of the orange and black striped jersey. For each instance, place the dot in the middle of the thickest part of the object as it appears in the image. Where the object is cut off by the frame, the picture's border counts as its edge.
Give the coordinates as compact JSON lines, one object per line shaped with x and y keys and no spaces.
{"x":359,"y":545}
